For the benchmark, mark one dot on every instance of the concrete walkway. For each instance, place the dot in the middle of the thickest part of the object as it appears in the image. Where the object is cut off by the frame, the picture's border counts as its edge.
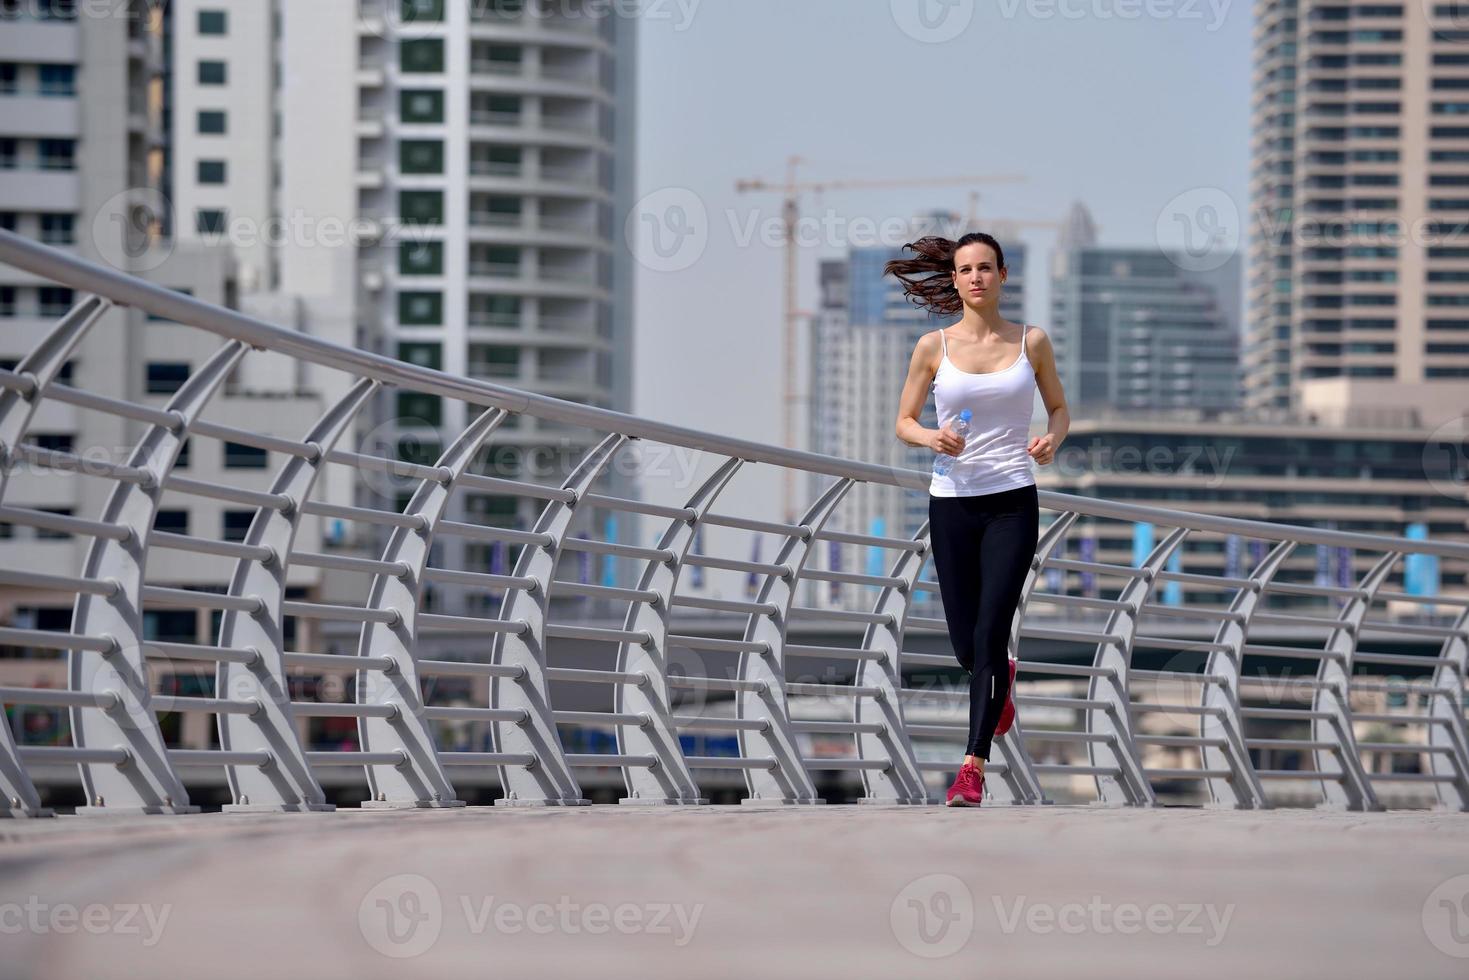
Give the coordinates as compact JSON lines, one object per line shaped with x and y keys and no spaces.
{"x":822,"y":892}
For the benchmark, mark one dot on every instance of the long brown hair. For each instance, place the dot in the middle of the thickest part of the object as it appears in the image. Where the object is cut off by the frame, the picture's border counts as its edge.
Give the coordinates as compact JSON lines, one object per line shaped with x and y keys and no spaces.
{"x":928,"y":279}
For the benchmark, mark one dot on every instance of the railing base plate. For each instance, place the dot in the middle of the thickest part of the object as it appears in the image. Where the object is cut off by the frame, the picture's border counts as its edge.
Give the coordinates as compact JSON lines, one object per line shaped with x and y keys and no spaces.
{"x":503,"y":801}
{"x":751,"y":801}
{"x":412,"y":804}
{"x":135,"y":811}
{"x":278,"y":808}
{"x":639,"y":801}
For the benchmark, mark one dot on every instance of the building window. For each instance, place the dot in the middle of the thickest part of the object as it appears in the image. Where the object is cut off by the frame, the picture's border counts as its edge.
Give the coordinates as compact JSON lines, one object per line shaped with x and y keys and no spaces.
{"x":421,"y":259}
{"x":166,"y":377}
{"x":213,"y":22}
{"x":421,"y":207}
{"x":9,"y":78}
{"x":212,"y":122}
{"x":421,"y":105}
{"x":7,"y":301}
{"x":422,"y":55}
{"x":420,"y":309}
{"x":58,"y":154}
{"x":58,"y":80}
{"x":241,"y":457}
{"x":58,"y":229}
{"x":423,"y":355}
{"x":9,"y":153}
{"x":209,"y":221}
{"x":213,"y":73}
{"x":431,"y":11}
{"x":172,"y":521}
{"x":56,"y":300}
{"x":211,"y":171}
{"x":236,"y":524}
{"x":415,"y":406}
{"x":421,"y":156}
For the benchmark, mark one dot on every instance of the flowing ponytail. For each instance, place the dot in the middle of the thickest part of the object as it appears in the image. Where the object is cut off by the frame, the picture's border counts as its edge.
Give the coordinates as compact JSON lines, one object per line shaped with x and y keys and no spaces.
{"x":928,"y":279}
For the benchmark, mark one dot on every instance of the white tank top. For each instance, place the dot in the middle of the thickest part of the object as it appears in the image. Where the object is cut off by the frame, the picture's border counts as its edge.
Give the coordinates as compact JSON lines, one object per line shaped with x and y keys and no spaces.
{"x":1000,"y":405}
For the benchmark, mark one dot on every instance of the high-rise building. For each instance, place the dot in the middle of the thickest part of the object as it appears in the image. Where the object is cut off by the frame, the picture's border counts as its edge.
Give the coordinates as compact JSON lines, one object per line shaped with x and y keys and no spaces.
{"x":1359,"y":215}
{"x":1135,"y":328}
{"x":442,"y":182}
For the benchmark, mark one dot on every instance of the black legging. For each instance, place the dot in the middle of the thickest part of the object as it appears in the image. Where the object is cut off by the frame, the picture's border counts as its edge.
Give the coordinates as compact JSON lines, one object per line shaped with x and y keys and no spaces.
{"x":982,"y":547}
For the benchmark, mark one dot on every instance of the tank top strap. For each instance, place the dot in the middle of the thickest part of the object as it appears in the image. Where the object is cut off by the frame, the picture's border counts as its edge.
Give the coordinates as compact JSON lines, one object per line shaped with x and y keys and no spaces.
{"x":1023,"y":327}
{"x":944,"y":339}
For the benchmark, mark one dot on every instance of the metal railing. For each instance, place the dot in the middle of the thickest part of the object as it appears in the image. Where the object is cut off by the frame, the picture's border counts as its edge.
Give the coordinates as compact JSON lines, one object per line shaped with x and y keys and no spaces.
{"x":1094,"y":721}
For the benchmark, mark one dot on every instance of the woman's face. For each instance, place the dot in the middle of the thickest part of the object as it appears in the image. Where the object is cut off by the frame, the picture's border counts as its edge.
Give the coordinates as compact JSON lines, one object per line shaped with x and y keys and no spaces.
{"x":977,"y":274}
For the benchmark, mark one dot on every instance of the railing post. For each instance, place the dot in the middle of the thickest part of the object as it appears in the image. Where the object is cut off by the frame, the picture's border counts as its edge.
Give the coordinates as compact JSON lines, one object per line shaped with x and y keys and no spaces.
{"x":287,"y":784}
{"x":1130,"y":785}
{"x":421,"y":781}
{"x":669,"y":782}
{"x":901,"y":782}
{"x":147,"y":782}
{"x":1354,"y":790}
{"x":1447,"y":732}
{"x":1242,"y":789}
{"x":18,"y":797}
{"x":549,"y":780}
{"x":788,"y":782}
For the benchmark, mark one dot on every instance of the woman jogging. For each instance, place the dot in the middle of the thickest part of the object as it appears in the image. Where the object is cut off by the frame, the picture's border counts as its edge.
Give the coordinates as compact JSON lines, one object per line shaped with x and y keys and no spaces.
{"x":983,"y":514}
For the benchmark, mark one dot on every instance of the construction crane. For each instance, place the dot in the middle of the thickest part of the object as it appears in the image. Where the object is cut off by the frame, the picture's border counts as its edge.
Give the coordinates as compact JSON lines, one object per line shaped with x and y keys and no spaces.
{"x":1002,"y":228}
{"x":792,"y":190}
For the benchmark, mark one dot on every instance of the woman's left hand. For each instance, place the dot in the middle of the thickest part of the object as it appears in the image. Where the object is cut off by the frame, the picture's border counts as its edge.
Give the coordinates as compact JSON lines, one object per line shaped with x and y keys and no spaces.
{"x":1043,"y":448}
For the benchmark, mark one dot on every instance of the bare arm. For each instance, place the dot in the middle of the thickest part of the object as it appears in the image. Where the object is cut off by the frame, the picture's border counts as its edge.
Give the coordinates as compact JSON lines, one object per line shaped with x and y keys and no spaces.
{"x":921,"y":370}
{"x":1043,"y":448}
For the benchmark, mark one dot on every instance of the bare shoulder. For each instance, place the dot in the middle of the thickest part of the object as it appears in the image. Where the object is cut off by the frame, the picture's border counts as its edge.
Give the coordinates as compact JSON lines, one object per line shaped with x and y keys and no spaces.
{"x":927,"y":350}
{"x":1036,"y":339}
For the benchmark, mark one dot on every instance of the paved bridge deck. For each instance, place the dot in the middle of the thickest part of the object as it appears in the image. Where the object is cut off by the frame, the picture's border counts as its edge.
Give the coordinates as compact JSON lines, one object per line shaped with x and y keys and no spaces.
{"x":849,"y":891}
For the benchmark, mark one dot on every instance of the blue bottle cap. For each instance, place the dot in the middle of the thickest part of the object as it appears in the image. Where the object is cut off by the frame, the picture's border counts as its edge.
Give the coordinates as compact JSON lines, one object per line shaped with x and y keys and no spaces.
{"x":966,"y":415}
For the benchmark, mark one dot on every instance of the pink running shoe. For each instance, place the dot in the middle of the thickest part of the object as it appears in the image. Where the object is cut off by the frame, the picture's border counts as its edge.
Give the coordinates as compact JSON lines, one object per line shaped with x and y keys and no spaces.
{"x":968,"y":788}
{"x":1007,"y":713}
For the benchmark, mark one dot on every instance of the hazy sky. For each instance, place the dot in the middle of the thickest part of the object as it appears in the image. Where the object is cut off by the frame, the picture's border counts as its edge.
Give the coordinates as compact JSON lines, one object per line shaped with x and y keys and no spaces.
{"x":1121,"y":104}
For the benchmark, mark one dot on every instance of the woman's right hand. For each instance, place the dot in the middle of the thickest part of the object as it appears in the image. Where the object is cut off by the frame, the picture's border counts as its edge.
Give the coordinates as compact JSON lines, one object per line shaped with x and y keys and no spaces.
{"x":945,"y":441}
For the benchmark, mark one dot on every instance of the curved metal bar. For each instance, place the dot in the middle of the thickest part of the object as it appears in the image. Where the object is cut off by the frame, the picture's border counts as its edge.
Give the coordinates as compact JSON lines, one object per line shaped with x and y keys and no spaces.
{"x":40,"y":367}
{"x":787,"y":782}
{"x":420,"y":781}
{"x":548,"y":781}
{"x":1353,"y":791}
{"x":669,"y":782}
{"x":901,"y":781}
{"x":147,"y":782}
{"x":1447,"y":731}
{"x":1129,"y":785}
{"x":18,"y":797}
{"x":287,"y":783}
{"x":1241,"y":789}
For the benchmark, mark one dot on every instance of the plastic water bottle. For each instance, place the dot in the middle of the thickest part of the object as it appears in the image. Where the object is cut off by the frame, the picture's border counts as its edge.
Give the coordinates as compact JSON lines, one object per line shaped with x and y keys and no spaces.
{"x":943,"y":462}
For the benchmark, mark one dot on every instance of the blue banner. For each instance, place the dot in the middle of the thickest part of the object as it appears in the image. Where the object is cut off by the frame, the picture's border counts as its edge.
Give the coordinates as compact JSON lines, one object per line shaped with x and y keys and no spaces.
{"x":1420,"y":572}
{"x":696,"y":572}
{"x":874,"y":553}
{"x":609,"y":576}
{"x":1231,"y":556}
{"x":1173,"y":591}
{"x":1087,"y":548}
{"x":834,"y":564}
{"x":1142,"y":543}
{"x":752,"y":581}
